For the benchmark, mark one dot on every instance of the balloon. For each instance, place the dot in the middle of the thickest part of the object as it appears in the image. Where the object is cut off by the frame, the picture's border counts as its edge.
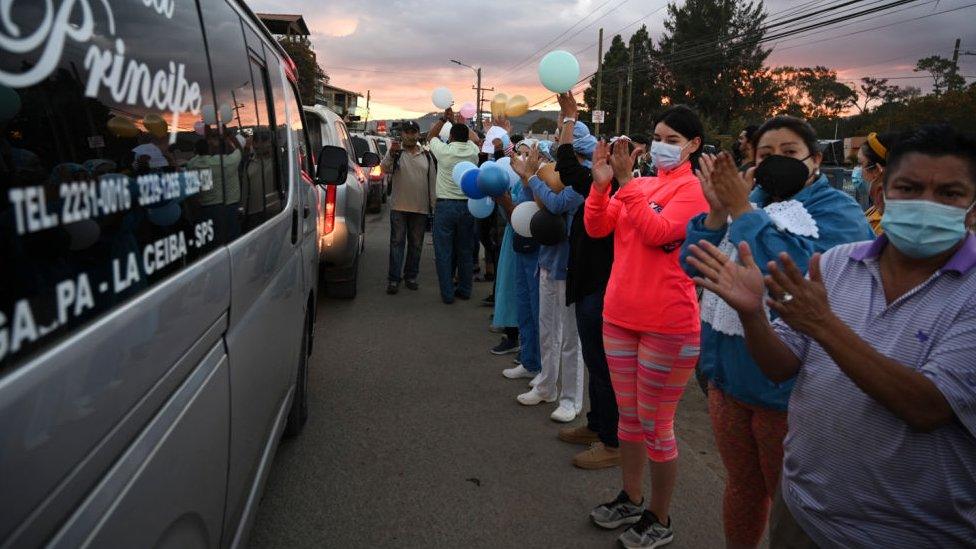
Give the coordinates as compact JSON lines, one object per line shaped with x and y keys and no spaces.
{"x":548,"y":228}
{"x":200,"y":128}
{"x":522,"y":218}
{"x":442,"y":98}
{"x":122,"y":127}
{"x":460,"y":168}
{"x":208,"y":115}
{"x":468,"y":110}
{"x":481,"y":208}
{"x":487,"y":163}
{"x":9,"y":103}
{"x":469,"y":184}
{"x":506,"y":165}
{"x":559,"y":71}
{"x":445,"y":134}
{"x":155,"y":125}
{"x":517,"y":106}
{"x":498,"y":104}
{"x":492,"y":180}
{"x":226,"y":114}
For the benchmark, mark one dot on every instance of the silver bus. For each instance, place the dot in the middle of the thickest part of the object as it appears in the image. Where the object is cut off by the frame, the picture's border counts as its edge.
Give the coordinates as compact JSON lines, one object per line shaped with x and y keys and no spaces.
{"x":158,"y":270}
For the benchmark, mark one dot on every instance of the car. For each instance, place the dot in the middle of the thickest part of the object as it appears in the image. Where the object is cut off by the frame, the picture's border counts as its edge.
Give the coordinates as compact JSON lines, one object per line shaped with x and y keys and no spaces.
{"x":382,"y":147}
{"x":342,"y":219}
{"x":160,"y":266}
{"x":362,"y":144}
{"x":838,"y":174}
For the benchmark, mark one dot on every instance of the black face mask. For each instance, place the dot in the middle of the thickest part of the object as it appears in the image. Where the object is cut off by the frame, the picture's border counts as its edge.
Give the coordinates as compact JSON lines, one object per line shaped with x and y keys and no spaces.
{"x":782,"y":176}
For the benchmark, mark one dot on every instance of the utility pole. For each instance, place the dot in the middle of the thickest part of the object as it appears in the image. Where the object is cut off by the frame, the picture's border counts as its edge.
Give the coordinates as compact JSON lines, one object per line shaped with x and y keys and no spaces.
{"x":620,"y":104}
{"x":599,"y":79}
{"x":955,"y":64}
{"x":367,"y":110}
{"x":480,"y":98}
{"x":630,"y":87}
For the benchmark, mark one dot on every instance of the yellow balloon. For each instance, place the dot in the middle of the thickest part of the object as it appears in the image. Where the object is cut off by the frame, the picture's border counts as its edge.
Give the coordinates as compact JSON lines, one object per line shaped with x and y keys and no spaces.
{"x":122,"y":127}
{"x":155,"y":125}
{"x":517,"y":106}
{"x":498,"y":104}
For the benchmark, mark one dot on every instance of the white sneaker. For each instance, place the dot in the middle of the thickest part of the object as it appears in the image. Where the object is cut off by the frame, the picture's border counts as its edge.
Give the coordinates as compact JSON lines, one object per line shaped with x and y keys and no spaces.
{"x":517,"y":373}
{"x":532,"y":398}
{"x":563,"y":414}
{"x":535,"y":381}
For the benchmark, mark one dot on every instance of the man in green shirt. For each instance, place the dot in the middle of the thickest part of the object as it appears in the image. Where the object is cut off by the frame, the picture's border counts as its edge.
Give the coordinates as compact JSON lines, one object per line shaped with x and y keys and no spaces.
{"x":453,"y":223}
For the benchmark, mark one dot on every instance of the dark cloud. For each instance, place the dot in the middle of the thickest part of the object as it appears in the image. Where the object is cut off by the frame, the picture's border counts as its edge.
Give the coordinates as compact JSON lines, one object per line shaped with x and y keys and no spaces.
{"x":402,"y":48}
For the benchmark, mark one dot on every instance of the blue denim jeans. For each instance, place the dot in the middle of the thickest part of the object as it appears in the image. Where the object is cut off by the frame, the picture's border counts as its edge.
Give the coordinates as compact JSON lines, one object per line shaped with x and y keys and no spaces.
{"x":527,"y":289}
{"x":406,"y":229}
{"x":602,"y":417}
{"x":453,"y":238}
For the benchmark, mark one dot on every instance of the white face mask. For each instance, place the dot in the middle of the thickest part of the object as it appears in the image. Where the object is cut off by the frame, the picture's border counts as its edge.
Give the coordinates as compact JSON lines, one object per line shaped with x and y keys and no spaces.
{"x":665,"y":155}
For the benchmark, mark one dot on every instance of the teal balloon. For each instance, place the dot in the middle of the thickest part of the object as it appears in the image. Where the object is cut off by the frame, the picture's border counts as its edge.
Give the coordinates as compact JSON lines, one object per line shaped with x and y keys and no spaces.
{"x":459,"y":170}
{"x":481,"y":207}
{"x":559,"y":71}
{"x":469,"y":184}
{"x":492,"y":181}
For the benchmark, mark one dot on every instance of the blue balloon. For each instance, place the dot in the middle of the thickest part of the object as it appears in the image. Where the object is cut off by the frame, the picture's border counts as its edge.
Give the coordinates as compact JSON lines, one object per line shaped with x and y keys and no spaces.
{"x":558,"y":71}
{"x":492,"y":181}
{"x":487,"y":163}
{"x":482,"y":207}
{"x":459,"y":170}
{"x":469,"y":184}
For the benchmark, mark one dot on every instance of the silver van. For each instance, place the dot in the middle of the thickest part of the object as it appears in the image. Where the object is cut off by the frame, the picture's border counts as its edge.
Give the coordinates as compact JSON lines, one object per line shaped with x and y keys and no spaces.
{"x":159,"y":271}
{"x":342,"y":222}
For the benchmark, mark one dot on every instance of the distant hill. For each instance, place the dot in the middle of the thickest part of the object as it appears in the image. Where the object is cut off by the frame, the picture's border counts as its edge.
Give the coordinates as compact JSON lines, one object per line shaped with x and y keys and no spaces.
{"x":519,"y":125}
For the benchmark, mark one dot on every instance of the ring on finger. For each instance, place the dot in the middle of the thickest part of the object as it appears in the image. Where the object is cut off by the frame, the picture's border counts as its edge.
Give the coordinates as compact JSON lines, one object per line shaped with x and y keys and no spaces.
{"x":787,"y":297}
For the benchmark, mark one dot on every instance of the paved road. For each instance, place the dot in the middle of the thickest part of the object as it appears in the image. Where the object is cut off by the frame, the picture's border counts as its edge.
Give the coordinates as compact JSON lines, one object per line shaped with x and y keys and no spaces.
{"x":416,"y":440}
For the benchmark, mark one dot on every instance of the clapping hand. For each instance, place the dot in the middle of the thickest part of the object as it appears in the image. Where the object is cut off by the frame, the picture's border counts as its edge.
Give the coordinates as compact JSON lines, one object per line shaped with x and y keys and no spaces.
{"x":740,"y":283}
{"x":504,"y":123}
{"x":729,"y":187}
{"x":801,"y":302}
{"x":623,"y":160}
{"x":527,"y":167}
{"x":601,"y":170}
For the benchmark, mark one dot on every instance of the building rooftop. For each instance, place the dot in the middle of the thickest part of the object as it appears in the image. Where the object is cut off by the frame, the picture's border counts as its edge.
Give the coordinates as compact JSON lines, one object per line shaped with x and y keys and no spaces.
{"x":284,"y":23}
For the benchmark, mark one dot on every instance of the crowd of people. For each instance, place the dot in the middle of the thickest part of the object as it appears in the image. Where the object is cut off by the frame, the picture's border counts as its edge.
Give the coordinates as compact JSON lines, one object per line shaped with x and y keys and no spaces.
{"x":837,"y":345}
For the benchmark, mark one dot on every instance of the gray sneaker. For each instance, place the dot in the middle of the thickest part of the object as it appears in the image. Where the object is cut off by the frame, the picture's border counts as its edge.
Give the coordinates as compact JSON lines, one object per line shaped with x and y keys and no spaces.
{"x":647,"y":533}
{"x":617,"y":513}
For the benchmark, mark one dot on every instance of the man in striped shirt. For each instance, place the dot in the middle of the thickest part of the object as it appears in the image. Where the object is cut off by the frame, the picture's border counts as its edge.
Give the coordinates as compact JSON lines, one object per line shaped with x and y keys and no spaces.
{"x":881,"y":448}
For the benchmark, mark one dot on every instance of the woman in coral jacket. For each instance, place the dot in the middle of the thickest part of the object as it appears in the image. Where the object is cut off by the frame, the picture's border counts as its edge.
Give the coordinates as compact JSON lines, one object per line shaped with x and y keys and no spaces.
{"x":650,"y":316}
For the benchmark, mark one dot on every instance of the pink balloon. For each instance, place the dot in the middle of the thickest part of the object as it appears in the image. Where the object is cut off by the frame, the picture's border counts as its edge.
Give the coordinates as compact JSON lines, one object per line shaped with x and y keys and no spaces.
{"x":467,"y":110}
{"x":200,"y":128}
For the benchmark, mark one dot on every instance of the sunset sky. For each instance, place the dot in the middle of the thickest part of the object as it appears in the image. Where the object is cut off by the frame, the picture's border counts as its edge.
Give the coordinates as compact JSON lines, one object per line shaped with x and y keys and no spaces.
{"x":400,"y":50}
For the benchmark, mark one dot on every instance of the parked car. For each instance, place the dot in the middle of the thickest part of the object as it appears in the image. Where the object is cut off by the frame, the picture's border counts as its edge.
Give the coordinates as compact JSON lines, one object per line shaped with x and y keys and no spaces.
{"x":342,"y":220}
{"x":158,"y":289}
{"x":382,"y":147}
{"x":838,"y":173}
{"x":367,"y":143}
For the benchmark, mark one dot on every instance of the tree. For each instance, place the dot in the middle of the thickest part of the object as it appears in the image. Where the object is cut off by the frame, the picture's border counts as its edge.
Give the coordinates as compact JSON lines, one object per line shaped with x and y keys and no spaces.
{"x":945,"y":77}
{"x":615,"y":61}
{"x":542,"y":125}
{"x":310,"y":74}
{"x":872,"y":89}
{"x":712,"y":58}
{"x":812,"y":92}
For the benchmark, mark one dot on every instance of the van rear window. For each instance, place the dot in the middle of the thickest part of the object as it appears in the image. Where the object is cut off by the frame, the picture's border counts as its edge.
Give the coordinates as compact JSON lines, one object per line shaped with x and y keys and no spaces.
{"x":111,"y":153}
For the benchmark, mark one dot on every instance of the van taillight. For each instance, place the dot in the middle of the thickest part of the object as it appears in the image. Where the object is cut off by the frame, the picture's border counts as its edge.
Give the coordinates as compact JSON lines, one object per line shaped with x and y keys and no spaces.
{"x":330,"y":204}
{"x":376,"y":171}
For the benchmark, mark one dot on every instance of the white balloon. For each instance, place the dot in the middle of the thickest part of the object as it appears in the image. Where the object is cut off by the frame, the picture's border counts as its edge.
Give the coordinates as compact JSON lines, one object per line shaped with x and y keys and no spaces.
{"x":445,"y":134}
{"x":226,"y":114}
{"x":442,"y":98}
{"x":209,"y":116}
{"x":522,"y":218}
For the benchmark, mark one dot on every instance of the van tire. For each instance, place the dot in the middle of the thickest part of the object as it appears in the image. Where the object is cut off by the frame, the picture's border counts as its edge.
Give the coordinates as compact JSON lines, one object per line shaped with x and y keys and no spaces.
{"x":347,"y":288}
{"x":298,"y":414}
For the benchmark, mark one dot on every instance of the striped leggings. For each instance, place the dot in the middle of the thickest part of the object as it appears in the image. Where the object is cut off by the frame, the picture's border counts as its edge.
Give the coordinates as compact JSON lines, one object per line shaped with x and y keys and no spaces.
{"x":649,"y":372}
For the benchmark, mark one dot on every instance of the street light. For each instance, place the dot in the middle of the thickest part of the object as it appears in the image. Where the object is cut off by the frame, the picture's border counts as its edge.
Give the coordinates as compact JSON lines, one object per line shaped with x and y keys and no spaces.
{"x":477,"y":95}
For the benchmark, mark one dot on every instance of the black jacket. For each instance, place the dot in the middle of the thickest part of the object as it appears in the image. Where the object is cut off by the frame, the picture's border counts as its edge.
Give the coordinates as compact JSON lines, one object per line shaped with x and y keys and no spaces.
{"x":590,"y":259}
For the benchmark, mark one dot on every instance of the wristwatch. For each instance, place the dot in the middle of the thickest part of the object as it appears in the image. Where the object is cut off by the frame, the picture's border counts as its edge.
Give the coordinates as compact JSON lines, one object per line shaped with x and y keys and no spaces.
{"x":569,"y":119}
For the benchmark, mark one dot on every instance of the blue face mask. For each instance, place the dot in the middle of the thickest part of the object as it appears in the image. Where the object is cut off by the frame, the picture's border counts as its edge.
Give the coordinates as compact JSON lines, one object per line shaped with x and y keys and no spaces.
{"x":665,"y":155}
{"x":857,"y":177}
{"x":920,"y":228}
